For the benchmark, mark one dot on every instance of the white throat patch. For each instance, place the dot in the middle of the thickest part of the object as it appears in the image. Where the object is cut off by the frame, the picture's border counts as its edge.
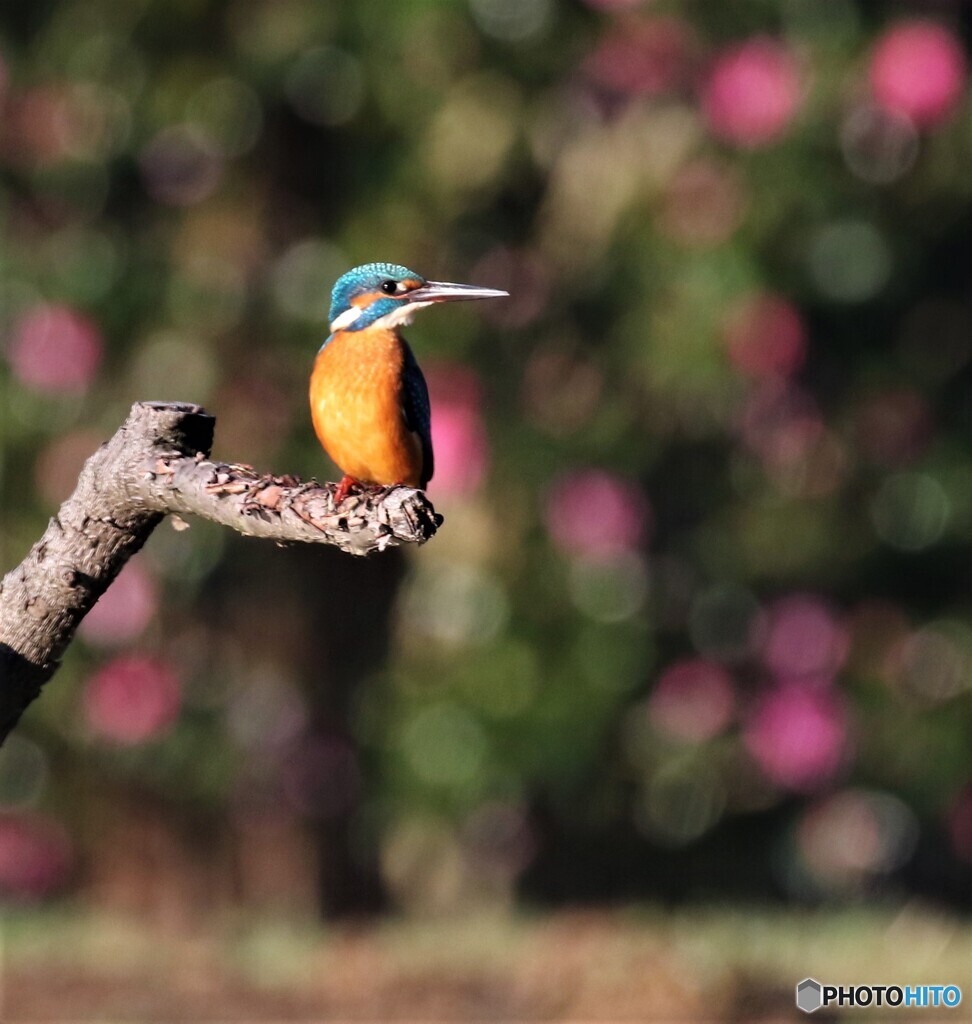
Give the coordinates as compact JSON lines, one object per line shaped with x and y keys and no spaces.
{"x":402,"y":316}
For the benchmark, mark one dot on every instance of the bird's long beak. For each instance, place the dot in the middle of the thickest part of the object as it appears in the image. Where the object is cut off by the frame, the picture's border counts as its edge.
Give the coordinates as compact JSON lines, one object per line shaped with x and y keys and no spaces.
{"x":444,"y":291}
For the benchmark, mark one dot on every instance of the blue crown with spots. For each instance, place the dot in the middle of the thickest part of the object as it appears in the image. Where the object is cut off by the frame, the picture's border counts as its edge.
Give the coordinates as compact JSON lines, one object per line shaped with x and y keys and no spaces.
{"x":371,"y":277}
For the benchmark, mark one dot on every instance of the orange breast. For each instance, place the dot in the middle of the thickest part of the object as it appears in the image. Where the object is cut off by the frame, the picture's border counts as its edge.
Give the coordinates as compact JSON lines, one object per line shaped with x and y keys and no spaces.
{"x":355,"y":397}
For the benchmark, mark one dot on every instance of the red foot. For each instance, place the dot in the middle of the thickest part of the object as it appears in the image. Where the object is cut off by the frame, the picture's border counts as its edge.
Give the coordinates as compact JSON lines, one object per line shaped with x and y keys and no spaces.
{"x":347,"y":484}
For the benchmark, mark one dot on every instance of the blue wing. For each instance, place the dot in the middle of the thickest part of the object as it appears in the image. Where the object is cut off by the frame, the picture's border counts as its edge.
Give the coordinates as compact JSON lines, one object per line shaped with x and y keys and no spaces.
{"x":417,"y":410}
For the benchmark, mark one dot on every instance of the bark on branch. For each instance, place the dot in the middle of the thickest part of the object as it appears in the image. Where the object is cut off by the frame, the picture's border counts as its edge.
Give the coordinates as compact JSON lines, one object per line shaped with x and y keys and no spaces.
{"x":155,"y":465}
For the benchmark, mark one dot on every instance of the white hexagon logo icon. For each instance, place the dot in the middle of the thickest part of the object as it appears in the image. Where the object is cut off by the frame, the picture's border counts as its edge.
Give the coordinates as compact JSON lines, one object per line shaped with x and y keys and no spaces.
{"x":808,"y":995}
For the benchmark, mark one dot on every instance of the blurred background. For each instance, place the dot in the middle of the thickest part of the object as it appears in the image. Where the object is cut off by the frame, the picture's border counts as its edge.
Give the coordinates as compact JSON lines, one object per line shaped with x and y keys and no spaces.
{"x":683,"y":681}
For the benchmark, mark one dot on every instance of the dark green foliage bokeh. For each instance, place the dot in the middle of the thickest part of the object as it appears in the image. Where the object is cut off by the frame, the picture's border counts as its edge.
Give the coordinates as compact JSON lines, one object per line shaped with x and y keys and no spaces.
{"x":189,"y":178}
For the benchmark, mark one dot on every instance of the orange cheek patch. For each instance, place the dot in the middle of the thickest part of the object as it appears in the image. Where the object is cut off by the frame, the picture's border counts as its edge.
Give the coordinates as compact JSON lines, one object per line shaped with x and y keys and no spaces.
{"x":363,"y":301}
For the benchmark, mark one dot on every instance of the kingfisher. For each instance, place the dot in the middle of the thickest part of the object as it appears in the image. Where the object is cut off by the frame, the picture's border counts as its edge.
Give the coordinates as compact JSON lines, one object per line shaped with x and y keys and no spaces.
{"x":369,"y":400}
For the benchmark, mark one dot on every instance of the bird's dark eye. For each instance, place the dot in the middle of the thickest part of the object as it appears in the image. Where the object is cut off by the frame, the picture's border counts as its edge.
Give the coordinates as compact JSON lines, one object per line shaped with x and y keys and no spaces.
{"x":389,"y":287}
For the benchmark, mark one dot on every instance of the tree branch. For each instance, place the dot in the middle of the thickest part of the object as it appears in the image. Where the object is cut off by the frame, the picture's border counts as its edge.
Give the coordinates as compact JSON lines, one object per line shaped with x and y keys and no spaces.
{"x":155,"y":465}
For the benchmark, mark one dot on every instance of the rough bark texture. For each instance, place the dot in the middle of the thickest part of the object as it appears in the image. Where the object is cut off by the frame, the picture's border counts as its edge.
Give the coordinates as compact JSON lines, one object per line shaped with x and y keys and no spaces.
{"x":157,"y":464}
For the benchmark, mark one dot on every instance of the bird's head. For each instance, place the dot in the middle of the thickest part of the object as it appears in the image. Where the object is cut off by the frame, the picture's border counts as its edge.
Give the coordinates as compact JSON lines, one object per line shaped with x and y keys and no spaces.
{"x":388,"y":295}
